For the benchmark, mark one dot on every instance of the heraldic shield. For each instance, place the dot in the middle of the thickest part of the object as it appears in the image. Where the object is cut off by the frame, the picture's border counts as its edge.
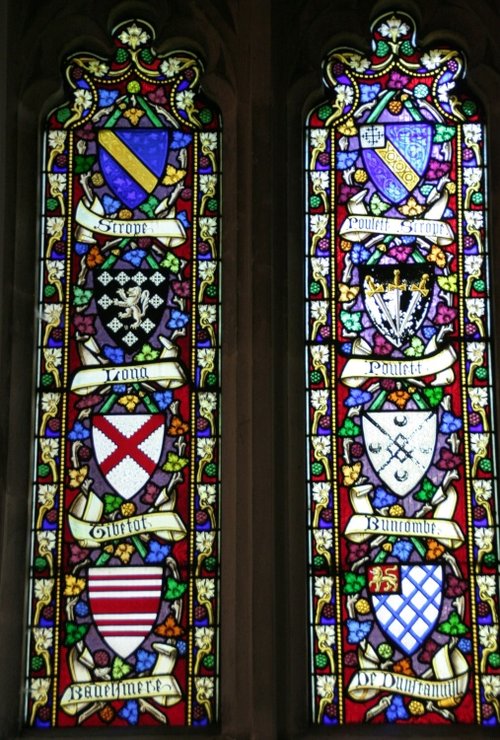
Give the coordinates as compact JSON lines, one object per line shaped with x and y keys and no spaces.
{"x":132,"y":162}
{"x":139,"y":295}
{"x":400,"y":446}
{"x":396,"y":156}
{"x":128,"y":449}
{"x":406,"y":601}
{"x":125,"y":603}
{"x":397,"y":298}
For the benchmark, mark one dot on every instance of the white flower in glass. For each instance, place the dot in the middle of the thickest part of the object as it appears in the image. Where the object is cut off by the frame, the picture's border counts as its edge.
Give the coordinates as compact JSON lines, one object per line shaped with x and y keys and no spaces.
{"x":320,"y":354}
{"x":473,"y":264}
{"x":483,"y":489}
{"x":393,"y":28}
{"x":483,"y":537}
{"x":326,"y":686}
{"x":486,"y":585}
{"x":208,"y":141}
{"x":323,"y":586}
{"x":321,"y":493}
{"x":432,"y":59}
{"x":57,"y":139}
{"x":83,"y":99}
{"x":474,"y":219}
{"x":98,"y":68}
{"x":184,"y":99}
{"x":478,"y":396}
{"x":171,"y":67}
{"x":472,"y":176}
{"x":345,"y":95}
{"x":473,"y":132}
{"x":54,"y":226}
{"x":321,"y":446}
{"x":134,"y":36}
{"x":476,"y":306}
{"x":488,"y":635}
{"x":358,"y":63}
{"x":475,"y":351}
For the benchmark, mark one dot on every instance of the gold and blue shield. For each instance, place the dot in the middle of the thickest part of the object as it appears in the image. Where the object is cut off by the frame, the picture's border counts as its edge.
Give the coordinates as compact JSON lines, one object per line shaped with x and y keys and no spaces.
{"x":132,"y":162}
{"x":396,"y":156}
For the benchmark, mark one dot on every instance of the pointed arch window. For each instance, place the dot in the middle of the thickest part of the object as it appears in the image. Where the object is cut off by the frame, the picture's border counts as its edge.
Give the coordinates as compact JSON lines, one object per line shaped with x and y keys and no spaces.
{"x":401,"y":475}
{"x":123,"y":615}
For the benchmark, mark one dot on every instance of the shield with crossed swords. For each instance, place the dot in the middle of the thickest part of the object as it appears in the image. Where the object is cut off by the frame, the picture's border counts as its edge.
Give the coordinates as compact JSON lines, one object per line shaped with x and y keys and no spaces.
{"x":397,"y":298}
{"x":406,"y":601}
{"x":396,"y":156}
{"x":128,"y":449}
{"x":130,"y":303}
{"x":125,"y":602}
{"x":400,"y":446}
{"x":132,"y":161}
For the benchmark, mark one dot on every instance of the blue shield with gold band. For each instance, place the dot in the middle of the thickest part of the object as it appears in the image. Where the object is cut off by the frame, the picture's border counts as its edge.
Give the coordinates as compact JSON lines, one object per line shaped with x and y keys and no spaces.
{"x":396,"y":155}
{"x":132,"y":162}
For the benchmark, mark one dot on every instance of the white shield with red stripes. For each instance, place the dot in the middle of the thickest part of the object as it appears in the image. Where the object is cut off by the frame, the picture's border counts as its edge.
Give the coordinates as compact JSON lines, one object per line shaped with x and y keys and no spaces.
{"x":125,"y":602}
{"x":128,"y":449}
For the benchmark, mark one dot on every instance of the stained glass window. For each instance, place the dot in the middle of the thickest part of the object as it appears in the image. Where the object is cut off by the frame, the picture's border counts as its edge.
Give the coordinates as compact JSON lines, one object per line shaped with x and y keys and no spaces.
{"x":123,"y":615}
{"x":401,"y":471}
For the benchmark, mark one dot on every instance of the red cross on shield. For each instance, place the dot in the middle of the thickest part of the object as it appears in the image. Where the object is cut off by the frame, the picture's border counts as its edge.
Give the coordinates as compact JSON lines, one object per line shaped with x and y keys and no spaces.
{"x":128,"y":449}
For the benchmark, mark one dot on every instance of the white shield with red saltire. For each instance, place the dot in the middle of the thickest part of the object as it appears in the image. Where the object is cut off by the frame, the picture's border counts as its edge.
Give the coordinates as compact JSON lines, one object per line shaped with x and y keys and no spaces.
{"x":125,"y":602}
{"x":128,"y":449}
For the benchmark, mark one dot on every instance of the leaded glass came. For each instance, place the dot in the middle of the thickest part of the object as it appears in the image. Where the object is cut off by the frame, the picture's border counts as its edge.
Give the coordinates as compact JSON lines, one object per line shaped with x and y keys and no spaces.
{"x":123,"y":623}
{"x":401,"y":470}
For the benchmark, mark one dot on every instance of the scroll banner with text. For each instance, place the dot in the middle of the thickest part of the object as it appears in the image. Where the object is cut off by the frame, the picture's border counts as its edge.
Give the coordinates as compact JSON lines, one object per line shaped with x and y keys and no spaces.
{"x":361,"y":527}
{"x":167,"y":373}
{"x":357,"y":369}
{"x":366,"y":523}
{"x":85,"y":525}
{"x":160,"y":685}
{"x":447,"y":689}
{"x":170,"y":228}
{"x":358,"y":228}
{"x":163,"y":689}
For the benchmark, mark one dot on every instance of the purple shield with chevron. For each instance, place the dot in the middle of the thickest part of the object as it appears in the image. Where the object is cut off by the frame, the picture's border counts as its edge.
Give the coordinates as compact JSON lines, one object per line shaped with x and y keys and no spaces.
{"x":125,"y":602}
{"x":132,"y":162}
{"x":406,"y":601}
{"x":396,"y":155}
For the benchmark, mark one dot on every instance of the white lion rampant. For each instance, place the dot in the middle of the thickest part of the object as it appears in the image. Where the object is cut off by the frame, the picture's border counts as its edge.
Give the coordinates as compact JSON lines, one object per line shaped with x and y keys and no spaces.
{"x":135,"y":302}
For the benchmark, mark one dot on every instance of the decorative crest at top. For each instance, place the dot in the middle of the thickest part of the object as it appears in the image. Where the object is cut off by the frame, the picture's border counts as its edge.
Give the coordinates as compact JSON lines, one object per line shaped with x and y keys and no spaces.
{"x":399,"y":391}
{"x":133,"y":35}
{"x":396,"y":53}
{"x":174,"y":75}
{"x":125,"y":529}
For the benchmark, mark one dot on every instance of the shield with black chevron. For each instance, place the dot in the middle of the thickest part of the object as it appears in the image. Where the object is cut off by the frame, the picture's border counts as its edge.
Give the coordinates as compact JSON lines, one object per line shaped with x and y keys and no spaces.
{"x":130,"y":303}
{"x":132,"y":161}
{"x":406,"y":601}
{"x":396,"y":156}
